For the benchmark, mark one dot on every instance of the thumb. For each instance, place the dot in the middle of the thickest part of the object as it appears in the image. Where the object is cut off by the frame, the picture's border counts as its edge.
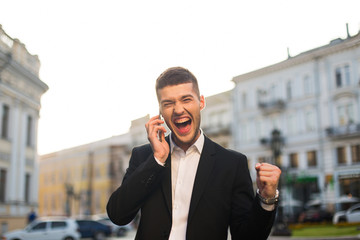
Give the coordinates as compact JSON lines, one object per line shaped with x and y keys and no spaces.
{"x":257,"y":166}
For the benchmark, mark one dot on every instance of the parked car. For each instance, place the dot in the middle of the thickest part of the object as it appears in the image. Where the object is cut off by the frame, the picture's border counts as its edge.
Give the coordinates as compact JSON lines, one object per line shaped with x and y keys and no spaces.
{"x":352,"y":215}
{"x":46,"y":229}
{"x":317,"y":215}
{"x":92,"y":229}
{"x":116,"y":230}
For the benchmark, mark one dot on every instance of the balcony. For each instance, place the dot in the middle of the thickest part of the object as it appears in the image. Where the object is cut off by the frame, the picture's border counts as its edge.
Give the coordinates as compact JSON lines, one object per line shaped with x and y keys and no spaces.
{"x":272,"y":106}
{"x":347,"y":131}
{"x":217,"y":130}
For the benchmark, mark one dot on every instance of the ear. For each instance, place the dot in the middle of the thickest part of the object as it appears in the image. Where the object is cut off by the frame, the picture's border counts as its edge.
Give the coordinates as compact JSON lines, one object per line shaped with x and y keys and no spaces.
{"x":202,"y":102}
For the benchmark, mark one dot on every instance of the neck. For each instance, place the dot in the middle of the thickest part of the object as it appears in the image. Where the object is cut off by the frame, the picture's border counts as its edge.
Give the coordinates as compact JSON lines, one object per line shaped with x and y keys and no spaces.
{"x":186,"y":145}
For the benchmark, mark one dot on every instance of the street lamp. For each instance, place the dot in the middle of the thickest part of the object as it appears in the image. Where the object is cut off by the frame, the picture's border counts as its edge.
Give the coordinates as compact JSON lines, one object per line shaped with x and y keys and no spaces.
{"x":70,"y":196}
{"x":69,"y":190}
{"x":276,"y":143}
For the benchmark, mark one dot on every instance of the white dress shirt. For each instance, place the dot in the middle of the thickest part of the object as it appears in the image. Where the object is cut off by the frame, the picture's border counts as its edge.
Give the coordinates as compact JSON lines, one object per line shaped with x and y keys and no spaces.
{"x":183,"y":171}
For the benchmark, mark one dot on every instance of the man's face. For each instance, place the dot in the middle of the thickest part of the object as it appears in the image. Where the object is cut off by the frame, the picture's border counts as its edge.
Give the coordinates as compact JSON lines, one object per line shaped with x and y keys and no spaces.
{"x":180,"y":107}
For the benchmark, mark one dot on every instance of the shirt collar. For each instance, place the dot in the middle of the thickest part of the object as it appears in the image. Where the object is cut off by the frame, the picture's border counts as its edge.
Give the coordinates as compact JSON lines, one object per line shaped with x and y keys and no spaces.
{"x":199,"y":144}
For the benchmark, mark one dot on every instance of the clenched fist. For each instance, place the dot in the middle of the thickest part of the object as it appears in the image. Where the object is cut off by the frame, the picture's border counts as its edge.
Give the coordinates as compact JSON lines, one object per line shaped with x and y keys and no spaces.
{"x":267,"y":179}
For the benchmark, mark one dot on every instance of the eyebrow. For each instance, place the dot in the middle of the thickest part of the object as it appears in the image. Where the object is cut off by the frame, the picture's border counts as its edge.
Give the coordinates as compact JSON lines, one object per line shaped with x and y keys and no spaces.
{"x":182,"y":97}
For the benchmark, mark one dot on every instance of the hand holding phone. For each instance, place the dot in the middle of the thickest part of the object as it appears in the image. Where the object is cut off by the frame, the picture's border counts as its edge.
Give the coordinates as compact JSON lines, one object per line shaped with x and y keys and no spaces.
{"x":156,"y":137}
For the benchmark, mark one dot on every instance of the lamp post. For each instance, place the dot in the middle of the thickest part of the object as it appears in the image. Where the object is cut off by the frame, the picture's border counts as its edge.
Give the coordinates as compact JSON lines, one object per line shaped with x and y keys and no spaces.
{"x":70,"y":196}
{"x":276,"y":144}
{"x":69,"y":190}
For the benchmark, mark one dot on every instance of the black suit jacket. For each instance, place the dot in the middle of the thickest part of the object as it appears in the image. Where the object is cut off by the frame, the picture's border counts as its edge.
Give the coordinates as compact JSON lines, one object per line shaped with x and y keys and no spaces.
{"x":222,"y":196}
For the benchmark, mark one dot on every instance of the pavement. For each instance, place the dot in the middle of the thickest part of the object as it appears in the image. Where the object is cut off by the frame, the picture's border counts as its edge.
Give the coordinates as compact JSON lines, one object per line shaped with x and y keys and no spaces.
{"x":317,"y":238}
{"x":131,"y":236}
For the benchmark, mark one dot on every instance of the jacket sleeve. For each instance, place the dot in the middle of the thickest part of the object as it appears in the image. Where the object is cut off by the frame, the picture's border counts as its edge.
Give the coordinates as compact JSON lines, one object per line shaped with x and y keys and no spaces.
{"x":249,"y":220}
{"x":142,"y":177}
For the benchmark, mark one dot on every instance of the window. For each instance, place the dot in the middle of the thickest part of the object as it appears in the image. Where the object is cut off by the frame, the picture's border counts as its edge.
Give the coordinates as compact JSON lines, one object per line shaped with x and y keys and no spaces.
{"x":310,"y":121}
{"x":289,"y":94}
{"x":29,"y":131}
{"x":338,"y":77}
{"x":311,"y":159}
{"x":308,"y":85}
{"x":58,"y":224}
{"x":341,"y":155}
{"x":84,"y":173}
{"x":346,"y":114}
{"x":2,"y":184}
{"x":294,"y":160}
{"x":244,"y":100}
{"x":342,"y":76}
{"x":273,"y":92}
{"x":278,"y":161}
{"x":5,"y":122}
{"x":27,"y":187}
{"x":355,"y":153}
{"x":292,"y":128}
{"x":39,"y":226}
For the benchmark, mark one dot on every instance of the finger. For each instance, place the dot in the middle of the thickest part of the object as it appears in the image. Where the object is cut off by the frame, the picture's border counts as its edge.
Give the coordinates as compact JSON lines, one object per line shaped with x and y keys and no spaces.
{"x":154,"y":118}
{"x":162,"y":136}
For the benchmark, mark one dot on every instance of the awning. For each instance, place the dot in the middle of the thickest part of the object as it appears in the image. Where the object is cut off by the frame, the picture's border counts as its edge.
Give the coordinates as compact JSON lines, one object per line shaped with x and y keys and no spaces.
{"x":301,"y":179}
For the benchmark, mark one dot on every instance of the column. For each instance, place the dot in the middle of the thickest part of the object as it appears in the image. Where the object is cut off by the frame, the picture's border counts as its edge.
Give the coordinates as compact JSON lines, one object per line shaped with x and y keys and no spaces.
{"x":348,"y":154}
{"x":302,"y":161}
{"x":12,"y":183}
{"x":34,"y":185}
{"x":22,"y":157}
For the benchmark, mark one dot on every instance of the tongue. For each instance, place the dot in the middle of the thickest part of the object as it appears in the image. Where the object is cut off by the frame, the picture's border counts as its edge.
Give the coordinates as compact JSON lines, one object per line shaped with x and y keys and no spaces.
{"x":184,"y":128}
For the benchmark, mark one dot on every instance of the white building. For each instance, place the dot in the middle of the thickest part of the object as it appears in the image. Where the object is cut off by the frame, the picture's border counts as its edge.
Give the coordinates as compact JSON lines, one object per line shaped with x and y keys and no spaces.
{"x":216,"y":118}
{"x":313,"y":99}
{"x":20,"y":93}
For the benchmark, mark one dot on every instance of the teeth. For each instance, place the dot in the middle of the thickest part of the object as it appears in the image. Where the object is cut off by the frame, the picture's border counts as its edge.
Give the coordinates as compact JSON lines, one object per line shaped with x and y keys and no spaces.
{"x":182,"y":120}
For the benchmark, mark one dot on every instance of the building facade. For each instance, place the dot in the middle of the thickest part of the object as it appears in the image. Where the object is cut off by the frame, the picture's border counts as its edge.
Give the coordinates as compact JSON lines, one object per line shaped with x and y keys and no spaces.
{"x":20,"y":93}
{"x":313,"y":101}
{"x":78,"y":181}
{"x":216,"y":118}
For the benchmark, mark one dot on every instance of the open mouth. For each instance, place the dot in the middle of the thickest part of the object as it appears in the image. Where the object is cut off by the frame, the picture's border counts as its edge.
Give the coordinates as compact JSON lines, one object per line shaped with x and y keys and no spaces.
{"x":183,"y":125}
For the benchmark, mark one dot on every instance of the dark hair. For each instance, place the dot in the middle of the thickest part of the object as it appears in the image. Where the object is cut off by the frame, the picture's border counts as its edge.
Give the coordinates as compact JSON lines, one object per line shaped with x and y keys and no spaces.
{"x":175,"y":76}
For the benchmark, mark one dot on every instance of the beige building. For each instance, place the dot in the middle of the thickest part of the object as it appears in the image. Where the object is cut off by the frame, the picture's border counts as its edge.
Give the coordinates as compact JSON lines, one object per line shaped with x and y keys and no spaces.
{"x":79,"y":180}
{"x":20,"y":93}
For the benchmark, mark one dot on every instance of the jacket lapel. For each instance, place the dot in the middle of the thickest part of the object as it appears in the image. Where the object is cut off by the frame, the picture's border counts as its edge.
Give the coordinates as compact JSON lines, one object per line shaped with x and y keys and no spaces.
{"x":206,"y":164}
{"x":166,"y":183}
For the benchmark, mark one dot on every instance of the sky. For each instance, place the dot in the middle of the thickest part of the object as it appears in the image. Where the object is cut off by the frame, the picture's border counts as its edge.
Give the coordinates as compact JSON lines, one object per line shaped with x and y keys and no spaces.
{"x":100,"y":59}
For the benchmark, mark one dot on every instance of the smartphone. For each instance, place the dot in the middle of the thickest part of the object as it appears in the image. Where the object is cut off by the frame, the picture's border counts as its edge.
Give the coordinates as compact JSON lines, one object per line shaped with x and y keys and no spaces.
{"x":160,"y":132}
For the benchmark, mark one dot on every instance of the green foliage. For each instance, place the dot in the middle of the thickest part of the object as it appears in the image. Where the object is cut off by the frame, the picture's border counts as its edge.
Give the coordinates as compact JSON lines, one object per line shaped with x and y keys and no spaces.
{"x":325,"y":231}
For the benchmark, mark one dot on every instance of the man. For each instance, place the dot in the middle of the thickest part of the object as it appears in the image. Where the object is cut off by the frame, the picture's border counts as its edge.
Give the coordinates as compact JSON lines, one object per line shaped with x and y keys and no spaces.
{"x":185,"y":185}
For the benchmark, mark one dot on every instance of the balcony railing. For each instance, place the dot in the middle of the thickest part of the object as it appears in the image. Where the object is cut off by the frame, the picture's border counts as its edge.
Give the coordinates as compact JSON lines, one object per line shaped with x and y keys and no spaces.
{"x":346,"y":131}
{"x":218,"y":129}
{"x":272,"y":106}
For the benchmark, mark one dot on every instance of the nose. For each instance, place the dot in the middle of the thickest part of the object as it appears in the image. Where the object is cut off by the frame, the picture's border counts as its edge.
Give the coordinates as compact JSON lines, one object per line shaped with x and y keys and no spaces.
{"x":178,"y":109}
